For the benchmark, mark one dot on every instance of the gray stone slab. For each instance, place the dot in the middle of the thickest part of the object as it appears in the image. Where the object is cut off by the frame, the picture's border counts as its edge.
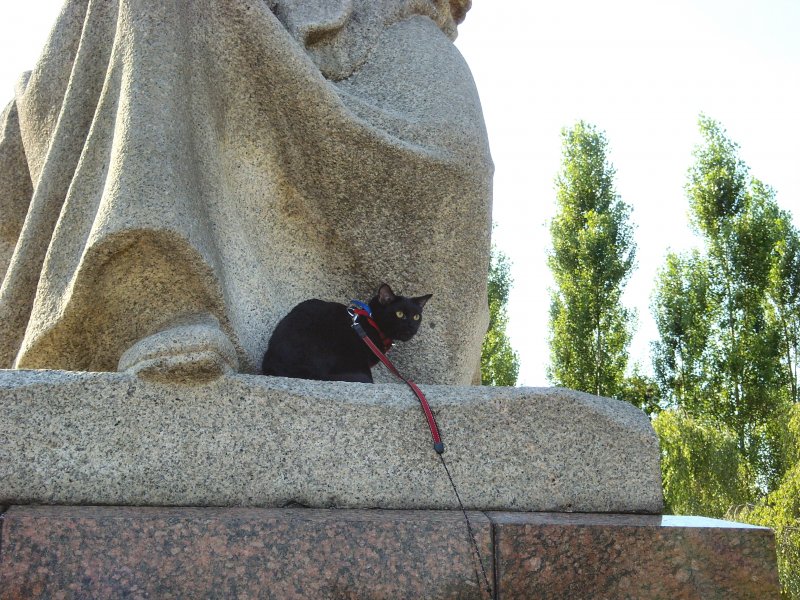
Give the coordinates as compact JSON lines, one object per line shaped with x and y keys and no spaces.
{"x":243,"y":440}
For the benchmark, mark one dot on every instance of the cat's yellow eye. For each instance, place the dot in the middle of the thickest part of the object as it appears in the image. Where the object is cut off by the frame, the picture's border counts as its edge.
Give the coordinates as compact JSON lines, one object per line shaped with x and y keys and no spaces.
{"x":400,"y":314}
{"x":416,"y":317}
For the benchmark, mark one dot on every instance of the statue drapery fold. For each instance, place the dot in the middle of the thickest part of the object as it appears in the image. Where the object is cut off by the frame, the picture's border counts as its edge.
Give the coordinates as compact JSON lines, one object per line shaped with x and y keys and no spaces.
{"x":232,"y":158}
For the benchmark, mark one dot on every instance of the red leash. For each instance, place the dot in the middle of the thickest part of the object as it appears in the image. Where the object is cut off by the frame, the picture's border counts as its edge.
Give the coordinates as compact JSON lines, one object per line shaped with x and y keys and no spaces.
{"x":438,"y":445}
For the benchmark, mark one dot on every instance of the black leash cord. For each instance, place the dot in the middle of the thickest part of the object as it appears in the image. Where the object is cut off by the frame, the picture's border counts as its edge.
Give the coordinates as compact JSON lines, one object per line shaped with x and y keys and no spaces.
{"x":438,"y":446}
{"x":477,"y":554}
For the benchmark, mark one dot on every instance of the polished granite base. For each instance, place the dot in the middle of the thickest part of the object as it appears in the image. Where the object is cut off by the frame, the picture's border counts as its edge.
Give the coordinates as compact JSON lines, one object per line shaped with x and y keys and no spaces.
{"x":126,"y":552}
{"x":549,"y":555}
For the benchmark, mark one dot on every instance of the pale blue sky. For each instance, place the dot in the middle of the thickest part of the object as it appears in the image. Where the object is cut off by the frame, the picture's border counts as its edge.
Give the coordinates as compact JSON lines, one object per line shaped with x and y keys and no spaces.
{"x":640,"y":70}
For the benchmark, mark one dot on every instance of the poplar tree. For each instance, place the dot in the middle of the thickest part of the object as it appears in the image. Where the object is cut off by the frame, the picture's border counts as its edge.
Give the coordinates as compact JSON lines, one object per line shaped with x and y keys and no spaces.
{"x":783,"y":305}
{"x":683,"y":310}
{"x":499,"y":361}
{"x":718,"y":356}
{"x":728,"y":317}
{"x":591,"y":259}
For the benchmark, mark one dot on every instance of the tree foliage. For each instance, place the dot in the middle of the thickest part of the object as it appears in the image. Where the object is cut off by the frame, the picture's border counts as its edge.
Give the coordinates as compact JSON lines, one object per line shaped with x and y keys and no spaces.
{"x":728,"y":318}
{"x":780,"y":509}
{"x":642,"y":391}
{"x":702,"y":472}
{"x":591,"y":260}
{"x":783,"y":305}
{"x":682,"y":311}
{"x":499,"y":361}
{"x":718,"y":356}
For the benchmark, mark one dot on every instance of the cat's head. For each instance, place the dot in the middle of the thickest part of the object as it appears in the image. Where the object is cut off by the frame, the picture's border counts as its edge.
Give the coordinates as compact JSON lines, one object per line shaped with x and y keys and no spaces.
{"x":399,"y":317}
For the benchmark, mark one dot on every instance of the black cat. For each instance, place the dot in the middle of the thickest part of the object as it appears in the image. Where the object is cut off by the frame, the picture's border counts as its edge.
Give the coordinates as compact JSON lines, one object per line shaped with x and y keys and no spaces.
{"x":316,"y":339}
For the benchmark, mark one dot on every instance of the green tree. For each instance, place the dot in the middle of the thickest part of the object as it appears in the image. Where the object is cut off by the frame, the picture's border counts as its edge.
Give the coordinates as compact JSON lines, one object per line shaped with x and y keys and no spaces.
{"x":499,"y":361}
{"x":683,"y":311}
{"x":718,"y":356}
{"x":783,"y":300}
{"x":782,"y":309}
{"x":737,"y":219}
{"x":780,"y":509}
{"x":591,"y":260}
{"x":701,"y":470}
{"x":727,"y":358}
{"x":642,"y":391}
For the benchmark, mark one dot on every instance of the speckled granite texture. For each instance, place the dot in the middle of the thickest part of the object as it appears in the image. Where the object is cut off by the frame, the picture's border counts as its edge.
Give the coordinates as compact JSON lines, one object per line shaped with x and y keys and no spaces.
{"x":227,"y":159}
{"x":287,"y":554}
{"x":113,"y":552}
{"x":557,"y":556}
{"x":104,"y":438}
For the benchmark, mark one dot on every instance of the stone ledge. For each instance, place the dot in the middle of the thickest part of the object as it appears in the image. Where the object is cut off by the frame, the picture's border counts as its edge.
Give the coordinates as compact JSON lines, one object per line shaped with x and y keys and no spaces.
{"x":109,"y":438}
{"x":113,"y":552}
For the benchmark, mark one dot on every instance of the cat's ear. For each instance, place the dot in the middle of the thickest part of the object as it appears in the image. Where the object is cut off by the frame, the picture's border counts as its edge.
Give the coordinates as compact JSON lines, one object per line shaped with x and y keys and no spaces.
{"x":421,"y":300}
{"x":385,"y":294}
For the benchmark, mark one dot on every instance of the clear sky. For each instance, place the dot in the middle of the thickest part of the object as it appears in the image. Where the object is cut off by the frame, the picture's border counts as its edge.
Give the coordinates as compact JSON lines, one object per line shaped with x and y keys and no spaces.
{"x":641,"y":70}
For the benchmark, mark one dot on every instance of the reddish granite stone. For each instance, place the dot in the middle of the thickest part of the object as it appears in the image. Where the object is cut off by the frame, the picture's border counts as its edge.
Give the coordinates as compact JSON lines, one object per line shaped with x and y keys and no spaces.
{"x":115,"y":552}
{"x":119,"y":552}
{"x":548,"y":555}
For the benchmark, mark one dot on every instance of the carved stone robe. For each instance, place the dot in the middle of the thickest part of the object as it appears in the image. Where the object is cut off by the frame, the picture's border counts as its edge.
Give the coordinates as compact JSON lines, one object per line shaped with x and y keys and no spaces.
{"x":232,"y":158}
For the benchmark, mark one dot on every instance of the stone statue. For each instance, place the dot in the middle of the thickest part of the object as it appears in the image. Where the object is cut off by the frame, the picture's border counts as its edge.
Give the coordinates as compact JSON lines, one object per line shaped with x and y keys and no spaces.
{"x":175,"y":175}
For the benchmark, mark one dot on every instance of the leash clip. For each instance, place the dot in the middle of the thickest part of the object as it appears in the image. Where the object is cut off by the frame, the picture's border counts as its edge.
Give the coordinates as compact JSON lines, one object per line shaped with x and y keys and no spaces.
{"x":355,"y":306}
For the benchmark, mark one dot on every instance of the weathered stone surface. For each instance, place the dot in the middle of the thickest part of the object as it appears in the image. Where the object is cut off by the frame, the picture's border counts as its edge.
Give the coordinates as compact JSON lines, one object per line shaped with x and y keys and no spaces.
{"x":190,"y":351}
{"x":102,"y":438}
{"x":118,"y":552}
{"x":632,"y":556}
{"x":171,"y":158}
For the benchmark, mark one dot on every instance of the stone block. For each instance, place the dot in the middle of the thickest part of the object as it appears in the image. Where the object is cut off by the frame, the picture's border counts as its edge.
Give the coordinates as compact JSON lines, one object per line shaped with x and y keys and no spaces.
{"x":632,"y":556}
{"x":113,"y":439}
{"x":127,"y":552}
{"x":113,"y":552}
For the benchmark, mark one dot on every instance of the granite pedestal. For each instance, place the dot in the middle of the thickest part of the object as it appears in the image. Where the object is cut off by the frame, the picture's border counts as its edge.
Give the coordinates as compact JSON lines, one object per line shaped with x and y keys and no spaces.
{"x":256,"y":487}
{"x":244,"y":440}
{"x":106,"y":552}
